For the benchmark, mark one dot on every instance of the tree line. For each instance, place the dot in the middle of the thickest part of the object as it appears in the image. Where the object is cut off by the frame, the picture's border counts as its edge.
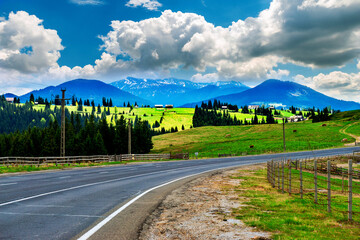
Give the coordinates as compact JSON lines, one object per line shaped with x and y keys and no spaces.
{"x":207,"y":115}
{"x":85,"y":134}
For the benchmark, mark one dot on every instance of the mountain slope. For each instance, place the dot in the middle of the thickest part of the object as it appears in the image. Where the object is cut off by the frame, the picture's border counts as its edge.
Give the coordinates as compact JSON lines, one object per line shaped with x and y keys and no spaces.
{"x":176,"y":91}
{"x":281,"y":93}
{"x":10,"y":95}
{"x":88,"y":89}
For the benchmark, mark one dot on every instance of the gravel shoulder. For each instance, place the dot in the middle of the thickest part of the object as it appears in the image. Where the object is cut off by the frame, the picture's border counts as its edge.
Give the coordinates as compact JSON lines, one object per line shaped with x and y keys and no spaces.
{"x":202,"y":209}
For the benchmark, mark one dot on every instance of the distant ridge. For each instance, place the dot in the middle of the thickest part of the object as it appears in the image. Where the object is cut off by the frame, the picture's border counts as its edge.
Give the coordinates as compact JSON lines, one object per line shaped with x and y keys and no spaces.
{"x":286,"y":94}
{"x":177,"y":91}
{"x":10,"y":95}
{"x":88,"y":89}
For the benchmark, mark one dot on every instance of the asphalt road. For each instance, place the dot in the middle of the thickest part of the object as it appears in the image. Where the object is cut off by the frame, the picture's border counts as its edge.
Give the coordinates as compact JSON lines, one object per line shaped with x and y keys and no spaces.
{"x":65,"y":204}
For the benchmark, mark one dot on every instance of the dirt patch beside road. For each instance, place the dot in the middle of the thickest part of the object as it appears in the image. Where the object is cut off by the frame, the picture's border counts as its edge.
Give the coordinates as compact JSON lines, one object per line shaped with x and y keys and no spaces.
{"x":202,"y":209}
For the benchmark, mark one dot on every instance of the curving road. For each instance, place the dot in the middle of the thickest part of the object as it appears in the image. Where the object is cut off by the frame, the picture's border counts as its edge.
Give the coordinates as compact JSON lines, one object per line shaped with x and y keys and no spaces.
{"x":66,"y":204}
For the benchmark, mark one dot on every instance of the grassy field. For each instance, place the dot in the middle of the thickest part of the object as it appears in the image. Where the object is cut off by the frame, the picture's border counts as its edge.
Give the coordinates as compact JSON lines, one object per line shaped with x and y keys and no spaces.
{"x":289,"y":217}
{"x":176,"y":117}
{"x":211,"y":141}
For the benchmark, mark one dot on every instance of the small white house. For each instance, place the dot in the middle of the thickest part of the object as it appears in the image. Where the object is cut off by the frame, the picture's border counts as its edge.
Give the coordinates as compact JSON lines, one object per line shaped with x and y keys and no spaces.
{"x":10,"y":99}
{"x":224,"y":107}
{"x":159,"y":106}
{"x":169,"y":106}
{"x":253,"y":106}
{"x":296,"y":118}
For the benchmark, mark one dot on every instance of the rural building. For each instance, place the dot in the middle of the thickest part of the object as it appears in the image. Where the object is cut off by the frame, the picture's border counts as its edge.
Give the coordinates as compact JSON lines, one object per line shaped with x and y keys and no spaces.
{"x":10,"y":99}
{"x":224,"y":107}
{"x":159,"y":106}
{"x":169,"y":106}
{"x":296,"y":118}
{"x":253,"y":106}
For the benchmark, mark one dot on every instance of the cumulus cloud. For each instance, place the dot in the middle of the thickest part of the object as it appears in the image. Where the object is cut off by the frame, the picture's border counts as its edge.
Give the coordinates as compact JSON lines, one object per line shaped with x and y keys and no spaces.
{"x":321,"y":33}
{"x":205,"y":78}
{"x":87,"y":2}
{"x":152,"y":5}
{"x":358,"y":65}
{"x":312,"y":33}
{"x":26,"y":46}
{"x":336,"y":84}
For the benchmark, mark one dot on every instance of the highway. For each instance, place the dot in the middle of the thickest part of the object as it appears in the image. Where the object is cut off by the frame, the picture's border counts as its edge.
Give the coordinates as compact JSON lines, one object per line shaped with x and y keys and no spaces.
{"x":66,"y":204}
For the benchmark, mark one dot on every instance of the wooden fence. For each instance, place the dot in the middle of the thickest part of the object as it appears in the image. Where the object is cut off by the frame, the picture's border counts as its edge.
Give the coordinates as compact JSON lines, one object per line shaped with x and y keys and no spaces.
{"x":321,"y":181}
{"x":37,"y":161}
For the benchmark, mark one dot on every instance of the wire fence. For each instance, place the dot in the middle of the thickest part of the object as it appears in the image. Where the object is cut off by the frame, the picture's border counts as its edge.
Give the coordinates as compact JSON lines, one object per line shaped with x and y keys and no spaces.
{"x":331,"y":183}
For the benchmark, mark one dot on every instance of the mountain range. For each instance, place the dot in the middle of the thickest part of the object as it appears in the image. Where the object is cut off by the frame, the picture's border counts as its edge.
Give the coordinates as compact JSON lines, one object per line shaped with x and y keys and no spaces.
{"x":283,"y":94}
{"x":88,"y":89}
{"x":188,"y":94}
{"x":177,"y":91}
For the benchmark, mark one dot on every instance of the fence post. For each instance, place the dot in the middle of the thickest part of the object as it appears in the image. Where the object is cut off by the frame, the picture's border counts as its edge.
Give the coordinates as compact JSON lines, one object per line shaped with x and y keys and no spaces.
{"x":350,"y":190}
{"x":278,"y":171}
{"x":301,"y":181}
{"x":272,"y":173}
{"x":329,"y":185}
{"x":342,"y":178}
{"x":282,"y":175}
{"x":290,"y":177}
{"x":315,"y":182}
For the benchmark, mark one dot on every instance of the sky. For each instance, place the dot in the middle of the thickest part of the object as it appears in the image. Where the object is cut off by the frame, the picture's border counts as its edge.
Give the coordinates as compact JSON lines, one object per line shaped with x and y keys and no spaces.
{"x":312,"y":42}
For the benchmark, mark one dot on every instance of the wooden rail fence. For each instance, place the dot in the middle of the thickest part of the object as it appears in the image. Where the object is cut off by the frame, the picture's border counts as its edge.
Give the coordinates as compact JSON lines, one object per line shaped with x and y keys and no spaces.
{"x":319,"y":180}
{"x":37,"y":161}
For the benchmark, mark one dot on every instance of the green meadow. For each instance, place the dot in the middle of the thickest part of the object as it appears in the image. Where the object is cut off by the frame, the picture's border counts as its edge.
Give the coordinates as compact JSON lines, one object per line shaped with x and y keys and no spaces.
{"x":210,"y":141}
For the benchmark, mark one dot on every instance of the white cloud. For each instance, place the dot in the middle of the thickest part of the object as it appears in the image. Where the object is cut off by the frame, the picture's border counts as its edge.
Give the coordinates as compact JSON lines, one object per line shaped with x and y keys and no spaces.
{"x":327,"y":3}
{"x":152,"y":5}
{"x":312,"y":33}
{"x":87,"y":2}
{"x":26,"y":46}
{"x":206,"y":78}
{"x":279,"y":74}
{"x":2,"y":19}
{"x":315,"y":35}
{"x":337,"y":84}
{"x":358,"y":65}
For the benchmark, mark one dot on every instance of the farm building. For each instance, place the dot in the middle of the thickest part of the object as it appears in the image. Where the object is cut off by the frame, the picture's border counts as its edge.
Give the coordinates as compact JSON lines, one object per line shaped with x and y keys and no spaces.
{"x":10,"y":100}
{"x":169,"y":106}
{"x":253,"y":106}
{"x":224,"y":107}
{"x":159,"y":106}
{"x":296,"y":118}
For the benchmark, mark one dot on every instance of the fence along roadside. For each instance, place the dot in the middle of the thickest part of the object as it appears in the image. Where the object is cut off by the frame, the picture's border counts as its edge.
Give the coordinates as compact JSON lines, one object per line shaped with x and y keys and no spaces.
{"x":37,"y":161}
{"x":320,"y":180}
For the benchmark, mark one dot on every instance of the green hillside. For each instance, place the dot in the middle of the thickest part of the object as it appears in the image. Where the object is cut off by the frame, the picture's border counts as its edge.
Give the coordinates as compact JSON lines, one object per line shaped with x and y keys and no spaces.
{"x":211,"y":141}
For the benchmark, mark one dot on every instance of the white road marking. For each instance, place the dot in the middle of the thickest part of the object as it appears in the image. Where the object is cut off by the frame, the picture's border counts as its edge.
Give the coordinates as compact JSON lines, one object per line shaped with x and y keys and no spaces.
{"x":52,"y":206}
{"x":64,"y":177}
{"x":7,"y":184}
{"x":82,"y":186}
{"x":50,"y":214}
{"x":93,"y":230}
{"x":103,"y":172}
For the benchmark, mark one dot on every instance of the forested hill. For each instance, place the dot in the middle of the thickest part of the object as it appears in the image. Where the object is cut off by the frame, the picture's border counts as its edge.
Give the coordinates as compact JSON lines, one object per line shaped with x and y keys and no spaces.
{"x":85,"y":135}
{"x":20,"y":117}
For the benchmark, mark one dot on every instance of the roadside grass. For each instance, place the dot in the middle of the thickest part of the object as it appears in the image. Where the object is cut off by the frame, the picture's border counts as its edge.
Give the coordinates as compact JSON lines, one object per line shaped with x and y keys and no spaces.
{"x":34,"y":168}
{"x":210,"y":141}
{"x":289,"y":217}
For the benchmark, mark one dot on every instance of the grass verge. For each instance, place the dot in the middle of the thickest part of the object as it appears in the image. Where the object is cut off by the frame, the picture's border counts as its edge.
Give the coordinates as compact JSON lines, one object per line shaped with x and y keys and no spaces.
{"x":288,"y":217}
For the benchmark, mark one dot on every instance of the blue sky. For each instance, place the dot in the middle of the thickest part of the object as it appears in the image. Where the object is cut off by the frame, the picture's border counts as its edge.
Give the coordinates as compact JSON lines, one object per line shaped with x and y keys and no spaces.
{"x":312,"y":42}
